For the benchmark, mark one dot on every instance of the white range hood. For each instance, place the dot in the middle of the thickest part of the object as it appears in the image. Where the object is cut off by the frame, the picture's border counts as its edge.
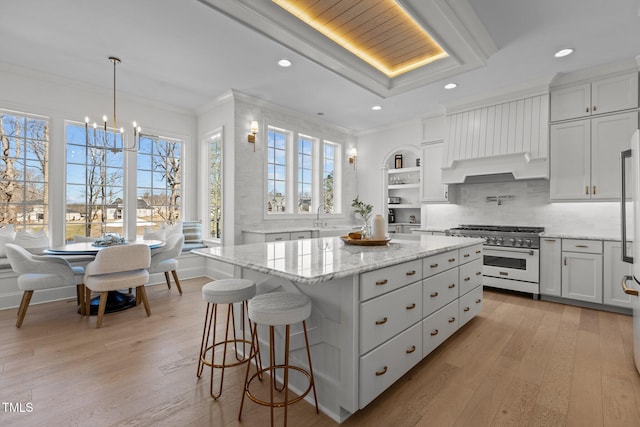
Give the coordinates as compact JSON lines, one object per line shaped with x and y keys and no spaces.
{"x":503,"y":167}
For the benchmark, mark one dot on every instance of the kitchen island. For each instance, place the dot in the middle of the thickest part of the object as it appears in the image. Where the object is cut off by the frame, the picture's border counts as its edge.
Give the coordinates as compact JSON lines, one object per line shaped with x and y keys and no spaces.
{"x":377,"y":310}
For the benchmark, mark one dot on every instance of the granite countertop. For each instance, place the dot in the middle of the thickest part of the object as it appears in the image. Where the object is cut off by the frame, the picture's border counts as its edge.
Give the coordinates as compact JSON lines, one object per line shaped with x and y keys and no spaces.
{"x":312,"y":261}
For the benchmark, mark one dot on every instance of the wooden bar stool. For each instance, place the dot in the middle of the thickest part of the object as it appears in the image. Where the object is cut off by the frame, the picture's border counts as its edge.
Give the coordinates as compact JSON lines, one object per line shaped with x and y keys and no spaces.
{"x":279,"y":309}
{"x":225,"y":291}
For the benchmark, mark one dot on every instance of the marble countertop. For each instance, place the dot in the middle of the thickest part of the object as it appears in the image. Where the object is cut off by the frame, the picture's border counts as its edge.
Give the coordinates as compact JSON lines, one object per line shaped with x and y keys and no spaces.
{"x":429,"y":229}
{"x":583,"y":236}
{"x":312,"y":261}
{"x":267,"y":230}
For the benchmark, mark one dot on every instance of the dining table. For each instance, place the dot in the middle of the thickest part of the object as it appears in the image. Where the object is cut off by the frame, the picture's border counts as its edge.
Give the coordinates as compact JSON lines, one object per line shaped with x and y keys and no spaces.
{"x":86,"y":251}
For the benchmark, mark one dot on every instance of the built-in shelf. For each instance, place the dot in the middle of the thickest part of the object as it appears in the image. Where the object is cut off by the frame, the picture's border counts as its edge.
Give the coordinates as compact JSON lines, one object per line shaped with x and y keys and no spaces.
{"x":405,"y":206}
{"x":405,"y":170}
{"x":401,"y":186}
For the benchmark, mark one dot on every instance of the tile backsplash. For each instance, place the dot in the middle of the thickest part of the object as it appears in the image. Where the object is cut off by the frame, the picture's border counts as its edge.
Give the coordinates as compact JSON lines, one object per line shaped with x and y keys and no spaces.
{"x":529,"y":206}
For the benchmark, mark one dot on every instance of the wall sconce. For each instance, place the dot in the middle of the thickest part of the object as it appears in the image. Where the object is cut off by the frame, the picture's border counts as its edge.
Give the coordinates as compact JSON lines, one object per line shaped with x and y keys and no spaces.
{"x":352,"y":157}
{"x":252,"y":136}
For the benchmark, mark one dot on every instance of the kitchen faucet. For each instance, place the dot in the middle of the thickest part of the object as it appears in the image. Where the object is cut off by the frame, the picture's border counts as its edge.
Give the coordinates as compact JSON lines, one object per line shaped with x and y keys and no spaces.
{"x":318,"y":223}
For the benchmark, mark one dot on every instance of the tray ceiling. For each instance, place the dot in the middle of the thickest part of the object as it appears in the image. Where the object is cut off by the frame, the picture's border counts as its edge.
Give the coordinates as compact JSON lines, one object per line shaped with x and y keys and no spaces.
{"x":385,"y":46}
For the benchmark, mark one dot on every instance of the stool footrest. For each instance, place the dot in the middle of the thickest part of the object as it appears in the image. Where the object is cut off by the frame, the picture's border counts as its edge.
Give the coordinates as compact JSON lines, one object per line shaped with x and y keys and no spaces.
{"x":245,"y":358}
{"x":281,"y":403}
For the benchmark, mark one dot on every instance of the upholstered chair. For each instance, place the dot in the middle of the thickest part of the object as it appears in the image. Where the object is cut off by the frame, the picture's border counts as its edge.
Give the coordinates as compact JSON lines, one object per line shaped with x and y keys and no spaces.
{"x":163,"y":260}
{"x":37,"y":272}
{"x":118,"y":267}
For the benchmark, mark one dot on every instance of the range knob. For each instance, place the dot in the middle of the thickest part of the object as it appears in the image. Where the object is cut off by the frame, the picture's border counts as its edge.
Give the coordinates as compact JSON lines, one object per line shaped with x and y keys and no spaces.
{"x":520,"y":242}
{"x":494,"y":240}
{"x":500,"y":240}
{"x":487,"y":239}
{"x":528,"y":242}
{"x":512,"y":241}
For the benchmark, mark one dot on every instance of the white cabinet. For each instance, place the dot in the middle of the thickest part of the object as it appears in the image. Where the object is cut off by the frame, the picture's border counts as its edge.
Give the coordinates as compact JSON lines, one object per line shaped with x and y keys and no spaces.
{"x":585,"y":156}
{"x":582,"y":270}
{"x":433,"y":190}
{"x":598,"y":97}
{"x":261,"y":237}
{"x":614,"y":270}
{"x":550,"y":266}
{"x":439,"y":326}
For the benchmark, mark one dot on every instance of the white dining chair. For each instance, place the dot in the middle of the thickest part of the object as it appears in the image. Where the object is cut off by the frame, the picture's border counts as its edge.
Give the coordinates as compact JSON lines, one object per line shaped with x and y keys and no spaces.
{"x":38,"y":272}
{"x":118,"y":267}
{"x":163,"y":260}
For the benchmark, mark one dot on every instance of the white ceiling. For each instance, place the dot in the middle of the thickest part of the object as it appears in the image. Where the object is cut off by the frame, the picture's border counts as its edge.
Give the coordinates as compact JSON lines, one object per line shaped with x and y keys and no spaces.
{"x":183,"y":53}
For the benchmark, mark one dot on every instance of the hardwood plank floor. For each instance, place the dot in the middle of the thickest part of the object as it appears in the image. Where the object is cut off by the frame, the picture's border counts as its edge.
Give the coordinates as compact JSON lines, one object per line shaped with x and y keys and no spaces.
{"x":520,"y":362}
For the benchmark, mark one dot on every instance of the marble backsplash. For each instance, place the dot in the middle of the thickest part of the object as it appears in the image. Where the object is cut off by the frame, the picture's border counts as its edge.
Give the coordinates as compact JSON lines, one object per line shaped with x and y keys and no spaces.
{"x":529,"y":206}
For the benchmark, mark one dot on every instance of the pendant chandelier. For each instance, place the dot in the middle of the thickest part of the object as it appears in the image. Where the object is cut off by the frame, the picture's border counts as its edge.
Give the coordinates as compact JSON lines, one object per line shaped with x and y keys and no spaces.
{"x":115,"y":147}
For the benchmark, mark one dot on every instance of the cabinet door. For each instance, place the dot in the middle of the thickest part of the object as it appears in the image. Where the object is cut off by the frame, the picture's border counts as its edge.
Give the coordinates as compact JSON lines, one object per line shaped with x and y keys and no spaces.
{"x":609,"y":136}
{"x":570,"y":161}
{"x":571,"y":102}
{"x":582,"y":276}
{"x":276,"y":237}
{"x":432,"y":189}
{"x":614,"y":94}
{"x":550,"y":266}
{"x":614,"y":270}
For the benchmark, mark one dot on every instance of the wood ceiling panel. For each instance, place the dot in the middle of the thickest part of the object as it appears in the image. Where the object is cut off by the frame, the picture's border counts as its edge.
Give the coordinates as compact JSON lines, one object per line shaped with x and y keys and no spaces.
{"x":378,"y":31}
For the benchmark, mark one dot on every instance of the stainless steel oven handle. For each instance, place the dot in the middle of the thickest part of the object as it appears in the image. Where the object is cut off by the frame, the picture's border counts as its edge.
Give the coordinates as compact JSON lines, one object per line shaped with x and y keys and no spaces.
{"x":623,"y":207}
{"x":512,"y":250}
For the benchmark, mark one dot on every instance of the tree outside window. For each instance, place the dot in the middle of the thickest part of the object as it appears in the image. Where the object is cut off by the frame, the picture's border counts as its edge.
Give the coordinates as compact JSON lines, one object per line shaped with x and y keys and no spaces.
{"x":215,"y":187}
{"x":24,"y":195}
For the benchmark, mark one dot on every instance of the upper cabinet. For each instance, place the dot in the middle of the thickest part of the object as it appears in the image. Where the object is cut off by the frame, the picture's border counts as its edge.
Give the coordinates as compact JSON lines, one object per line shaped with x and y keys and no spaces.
{"x":597,"y":97}
{"x":433,"y":190}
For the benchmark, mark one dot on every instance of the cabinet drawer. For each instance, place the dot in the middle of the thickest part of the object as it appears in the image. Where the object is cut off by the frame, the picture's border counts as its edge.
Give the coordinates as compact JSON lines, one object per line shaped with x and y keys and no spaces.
{"x":383,"y":366}
{"x":470,"y":305}
{"x":383,"y":317}
{"x":439,"y":290}
{"x":439,"y":263}
{"x":471,"y":253}
{"x":276,"y":237}
{"x":378,"y":282}
{"x":438,"y":327}
{"x":300,"y":235}
{"x":584,"y":246}
{"x":470,"y":276}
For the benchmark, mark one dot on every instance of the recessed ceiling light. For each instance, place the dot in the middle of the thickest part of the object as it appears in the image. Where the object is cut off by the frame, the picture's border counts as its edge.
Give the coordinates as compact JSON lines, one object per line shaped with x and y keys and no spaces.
{"x":284,"y":63}
{"x":376,"y":108}
{"x":451,"y":85}
{"x":563,"y":52}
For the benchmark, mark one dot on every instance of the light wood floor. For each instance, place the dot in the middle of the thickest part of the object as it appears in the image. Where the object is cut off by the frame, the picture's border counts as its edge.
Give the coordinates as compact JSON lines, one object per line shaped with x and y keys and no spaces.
{"x":521,"y":362}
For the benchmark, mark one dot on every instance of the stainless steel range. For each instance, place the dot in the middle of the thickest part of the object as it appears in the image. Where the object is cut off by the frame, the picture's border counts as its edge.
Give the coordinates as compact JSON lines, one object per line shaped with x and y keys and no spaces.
{"x":511,"y":255}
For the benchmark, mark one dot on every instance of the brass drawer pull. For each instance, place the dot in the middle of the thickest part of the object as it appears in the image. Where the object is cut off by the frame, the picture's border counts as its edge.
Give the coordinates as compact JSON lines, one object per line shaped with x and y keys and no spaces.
{"x":382,"y":282}
{"x":466,"y":309}
{"x":451,"y":286}
{"x":467,"y":255}
{"x":586,"y":189}
{"x":453,"y":319}
{"x":504,"y":273}
{"x":411,"y":350}
{"x":550,"y":240}
{"x":434,"y":294}
{"x":478,"y":273}
{"x":381,"y":372}
{"x":466,"y":279}
{"x":478,"y":251}
{"x":478,"y":301}
{"x":434,"y":333}
{"x":452,"y":259}
{"x":434,"y":265}
{"x":582,"y":246}
{"x":411,"y":307}
{"x":410,"y":273}
{"x":381,"y":322}
{"x":594,"y":187}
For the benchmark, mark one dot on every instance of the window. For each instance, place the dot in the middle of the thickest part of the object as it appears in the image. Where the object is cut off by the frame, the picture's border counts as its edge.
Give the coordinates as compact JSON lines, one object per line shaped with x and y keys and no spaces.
{"x":302,"y":173}
{"x":215,"y":186}
{"x":159,"y":182}
{"x":95,"y":192}
{"x":23,"y":170}
{"x":277,"y":141}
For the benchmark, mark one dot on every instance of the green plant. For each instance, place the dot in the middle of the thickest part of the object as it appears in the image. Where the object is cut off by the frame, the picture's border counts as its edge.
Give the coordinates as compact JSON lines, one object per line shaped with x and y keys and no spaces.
{"x":361,"y":208}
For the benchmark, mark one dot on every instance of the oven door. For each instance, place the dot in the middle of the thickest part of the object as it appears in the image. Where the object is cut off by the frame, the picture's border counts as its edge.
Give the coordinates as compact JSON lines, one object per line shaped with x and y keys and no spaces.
{"x":511,"y":263}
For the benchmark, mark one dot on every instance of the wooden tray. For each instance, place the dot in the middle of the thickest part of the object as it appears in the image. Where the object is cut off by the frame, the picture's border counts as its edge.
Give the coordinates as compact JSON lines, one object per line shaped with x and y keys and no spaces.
{"x":366,"y":242}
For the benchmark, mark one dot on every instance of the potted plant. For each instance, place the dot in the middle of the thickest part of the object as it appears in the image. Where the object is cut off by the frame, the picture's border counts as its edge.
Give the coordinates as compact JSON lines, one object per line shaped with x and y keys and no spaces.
{"x":363,"y":210}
